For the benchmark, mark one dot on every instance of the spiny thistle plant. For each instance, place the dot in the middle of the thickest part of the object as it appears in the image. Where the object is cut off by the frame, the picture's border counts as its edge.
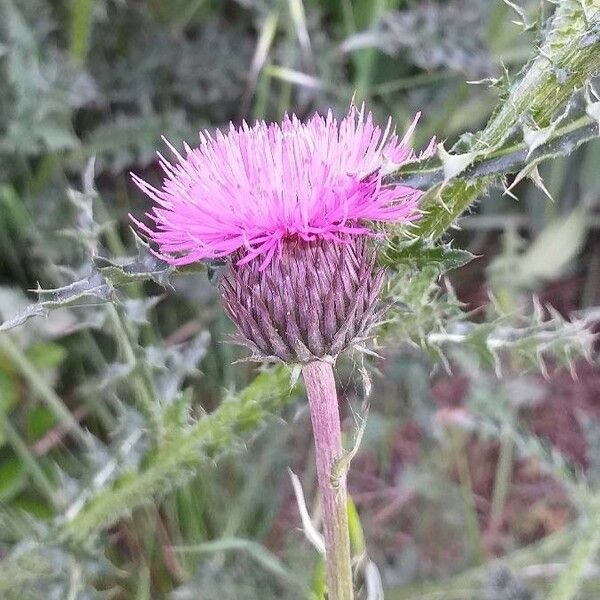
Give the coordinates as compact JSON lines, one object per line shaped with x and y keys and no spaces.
{"x":322,"y":234}
{"x":289,"y":207}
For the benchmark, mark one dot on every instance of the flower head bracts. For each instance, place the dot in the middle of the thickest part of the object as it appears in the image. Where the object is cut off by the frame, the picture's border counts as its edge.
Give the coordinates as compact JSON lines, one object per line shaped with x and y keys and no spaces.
{"x":312,"y":302}
{"x":252,"y":188}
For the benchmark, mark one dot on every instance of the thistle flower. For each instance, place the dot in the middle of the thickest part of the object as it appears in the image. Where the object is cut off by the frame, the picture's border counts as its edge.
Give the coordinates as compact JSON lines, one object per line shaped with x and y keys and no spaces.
{"x":289,"y":206}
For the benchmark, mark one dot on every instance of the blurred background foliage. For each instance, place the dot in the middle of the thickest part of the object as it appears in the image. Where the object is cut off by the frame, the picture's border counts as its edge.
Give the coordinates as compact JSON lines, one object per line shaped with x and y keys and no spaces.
{"x":483,"y":434}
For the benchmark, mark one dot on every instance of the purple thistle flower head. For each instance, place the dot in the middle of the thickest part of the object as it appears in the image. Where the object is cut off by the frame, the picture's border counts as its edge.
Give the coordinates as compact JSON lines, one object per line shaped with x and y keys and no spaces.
{"x":254,"y":187}
{"x":273,"y":198}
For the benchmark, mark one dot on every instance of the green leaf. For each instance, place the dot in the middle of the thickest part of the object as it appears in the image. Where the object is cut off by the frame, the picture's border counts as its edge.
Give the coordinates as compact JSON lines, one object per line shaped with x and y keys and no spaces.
{"x":571,"y":47}
{"x":46,"y":355}
{"x":318,"y":588}
{"x":8,"y":392}
{"x":33,"y":506}
{"x":81,"y":26}
{"x":12,"y":479}
{"x":39,"y":421}
{"x":100,"y":283}
{"x":145,"y":266}
{"x":176,"y":416}
{"x":552,"y":251}
{"x":357,"y":536}
{"x":418,"y":254}
{"x":173,"y":462}
{"x":94,"y":286}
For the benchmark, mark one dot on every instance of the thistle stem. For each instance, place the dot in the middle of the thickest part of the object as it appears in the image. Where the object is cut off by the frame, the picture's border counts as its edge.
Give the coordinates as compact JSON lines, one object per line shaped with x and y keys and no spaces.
{"x":325,"y":417}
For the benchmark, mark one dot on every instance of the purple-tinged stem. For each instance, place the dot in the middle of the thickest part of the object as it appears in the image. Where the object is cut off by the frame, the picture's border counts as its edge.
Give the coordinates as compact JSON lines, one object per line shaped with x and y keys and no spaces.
{"x":325,"y":417}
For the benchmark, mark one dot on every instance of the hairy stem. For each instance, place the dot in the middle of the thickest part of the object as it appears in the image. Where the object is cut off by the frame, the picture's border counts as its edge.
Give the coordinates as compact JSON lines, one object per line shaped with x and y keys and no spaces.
{"x":174,"y":462}
{"x":509,"y":159}
{"x":567,"y":59}
{"x":325,"y":417}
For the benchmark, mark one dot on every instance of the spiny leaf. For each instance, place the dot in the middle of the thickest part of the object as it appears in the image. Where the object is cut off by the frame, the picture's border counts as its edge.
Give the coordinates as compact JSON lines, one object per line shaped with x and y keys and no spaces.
{"x":524,"y":20}
{"x":92,"y":287}
{"x":529,"y":340}
{"x":418,"y":254}
{"x":174,"y":462}
{"x":145,"y":266}
{"x":538,"y":93}
{"x":101,"y":282}
{"x":510,"y":159}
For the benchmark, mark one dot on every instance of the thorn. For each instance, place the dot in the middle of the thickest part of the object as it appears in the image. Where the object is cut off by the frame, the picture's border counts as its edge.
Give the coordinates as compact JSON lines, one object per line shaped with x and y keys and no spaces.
{"x":295,"y":375}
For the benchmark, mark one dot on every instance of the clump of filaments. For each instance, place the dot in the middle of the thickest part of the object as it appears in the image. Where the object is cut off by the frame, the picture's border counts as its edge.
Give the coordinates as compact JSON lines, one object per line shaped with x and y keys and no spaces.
{"x":312,"y":302}
{"x":247,"y":191}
